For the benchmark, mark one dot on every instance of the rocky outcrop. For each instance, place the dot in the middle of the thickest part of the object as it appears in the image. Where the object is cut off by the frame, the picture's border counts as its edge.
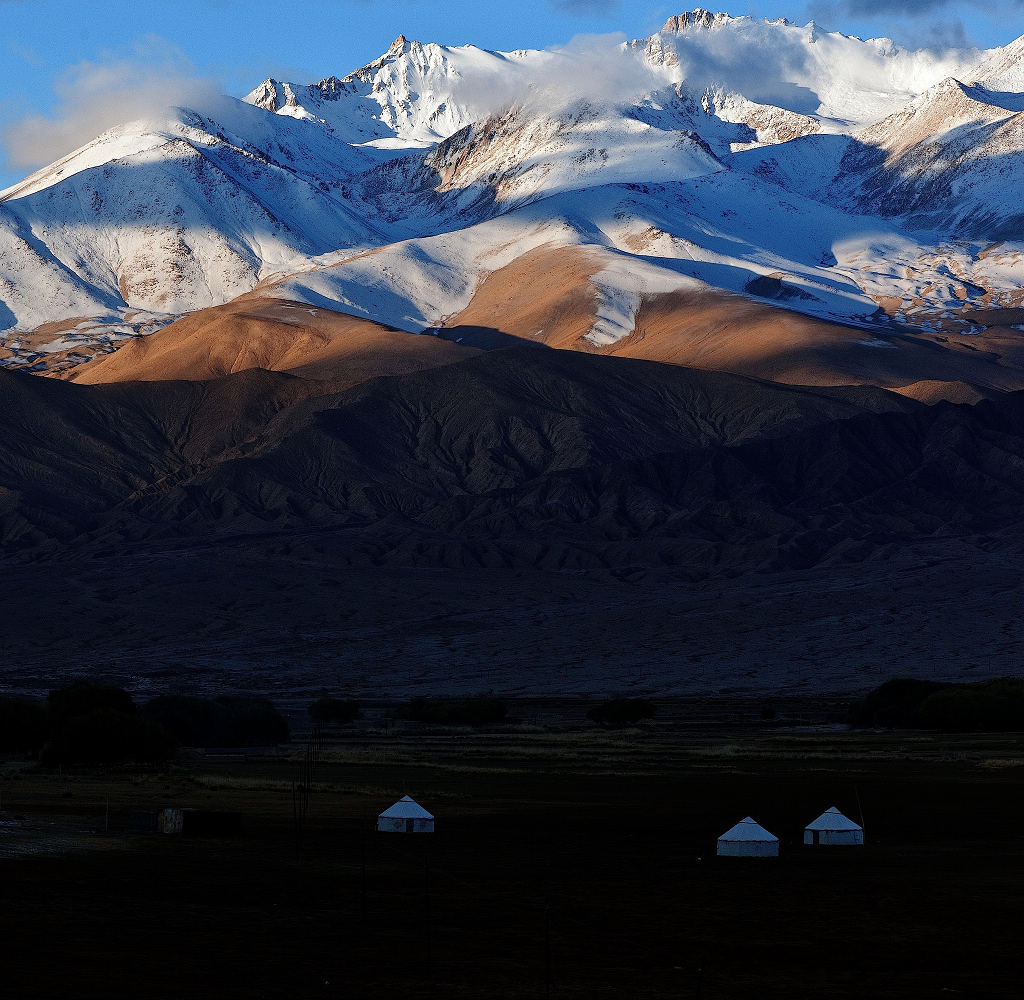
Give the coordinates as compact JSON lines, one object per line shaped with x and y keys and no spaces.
{"x":271,"y":95}
{"x":697,"y":18}
{"x":266,"y":96}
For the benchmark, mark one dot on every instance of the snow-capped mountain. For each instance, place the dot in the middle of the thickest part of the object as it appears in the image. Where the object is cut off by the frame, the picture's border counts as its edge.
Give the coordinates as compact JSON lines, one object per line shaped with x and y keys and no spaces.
{"x":850,"y":180}
{"x":836,"y":78}
{"x":1002,"y":69}
{"x":405,"y":98}
{"x":166,"y":216}
{"x":949,"y":159}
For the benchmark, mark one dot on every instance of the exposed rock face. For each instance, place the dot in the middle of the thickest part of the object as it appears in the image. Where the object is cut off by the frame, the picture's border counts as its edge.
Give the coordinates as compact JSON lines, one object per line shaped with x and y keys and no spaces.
{"x":331,"y":88}
{"x":697,"y":18}
{"x":266,"y":96}
{"x":272,"y":95}
{"x":472,"y":450}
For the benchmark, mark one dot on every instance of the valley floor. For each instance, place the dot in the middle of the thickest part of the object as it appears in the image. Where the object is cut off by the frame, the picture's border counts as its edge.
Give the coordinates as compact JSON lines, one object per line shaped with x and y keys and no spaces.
{"x":568,"y":862}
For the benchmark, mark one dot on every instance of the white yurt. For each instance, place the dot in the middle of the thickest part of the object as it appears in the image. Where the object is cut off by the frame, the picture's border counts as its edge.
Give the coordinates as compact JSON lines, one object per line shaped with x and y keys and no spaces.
{"x":832,"y":827}
{"x":748,"y":839}
{"x":405,"y":816}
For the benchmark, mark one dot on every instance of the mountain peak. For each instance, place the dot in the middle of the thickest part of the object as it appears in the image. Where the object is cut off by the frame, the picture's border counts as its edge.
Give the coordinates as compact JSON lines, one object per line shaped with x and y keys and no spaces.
{"x":272,"y":95}
{"x":1003,"y":69}
{"x":696,"y":18}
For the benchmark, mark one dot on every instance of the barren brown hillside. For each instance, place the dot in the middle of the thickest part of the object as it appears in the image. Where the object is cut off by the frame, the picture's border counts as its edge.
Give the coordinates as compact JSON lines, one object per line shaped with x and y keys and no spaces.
{"x":274,"y":334}
{"x":525,"y":520}
{"x":544,"y":296}
{"x":547,"y":297}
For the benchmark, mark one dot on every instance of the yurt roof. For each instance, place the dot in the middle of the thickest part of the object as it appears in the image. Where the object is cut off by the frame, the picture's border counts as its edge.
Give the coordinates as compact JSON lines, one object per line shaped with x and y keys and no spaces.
{"x":832,"y":819}
{"x":406,"y":808}
{"x":749,"y":830}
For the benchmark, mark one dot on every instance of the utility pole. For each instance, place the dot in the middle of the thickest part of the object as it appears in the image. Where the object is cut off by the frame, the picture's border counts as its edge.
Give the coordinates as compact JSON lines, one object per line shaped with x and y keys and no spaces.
{"x":547,"y":951}
{"x":426,"y":886}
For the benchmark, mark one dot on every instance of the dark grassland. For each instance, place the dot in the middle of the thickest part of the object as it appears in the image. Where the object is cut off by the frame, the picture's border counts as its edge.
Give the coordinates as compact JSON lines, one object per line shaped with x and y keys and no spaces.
{"x":568,"y":862}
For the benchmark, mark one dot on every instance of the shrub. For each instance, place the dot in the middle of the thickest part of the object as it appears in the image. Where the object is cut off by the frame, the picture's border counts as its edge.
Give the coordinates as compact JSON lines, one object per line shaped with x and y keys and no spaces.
{"x":22,"y":725}
{"x":455,"y":711}
{"x":252,"y":722}
{"x":911,"y":704}
{"x":895,"y":704}
{"x":98,"y":723}
{"x":621,"y":712}
{"x":83,"y":698}
{"x":327,"y":711}
{"x":990,"y":705}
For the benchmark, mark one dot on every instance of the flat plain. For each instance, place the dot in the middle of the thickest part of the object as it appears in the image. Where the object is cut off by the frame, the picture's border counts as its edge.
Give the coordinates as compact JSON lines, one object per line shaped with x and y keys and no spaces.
{"x":568,"y":862}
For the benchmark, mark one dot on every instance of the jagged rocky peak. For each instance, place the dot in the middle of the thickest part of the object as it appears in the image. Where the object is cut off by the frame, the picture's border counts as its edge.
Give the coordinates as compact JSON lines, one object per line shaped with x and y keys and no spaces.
{"x":272,"y":95}
{"x":265,"y":95}
{"x":942,"y":108}
{"x":697,"y":18}
{"x":398,"y":48}
{"x":331,"y":88}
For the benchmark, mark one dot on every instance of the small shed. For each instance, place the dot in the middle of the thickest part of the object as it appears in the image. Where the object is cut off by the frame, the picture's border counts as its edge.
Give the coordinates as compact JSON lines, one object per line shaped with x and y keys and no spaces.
{"x":832,"y":827}
{"x":748,"y":839}
{"x":199,"y":822}
{"x":405,"y":816}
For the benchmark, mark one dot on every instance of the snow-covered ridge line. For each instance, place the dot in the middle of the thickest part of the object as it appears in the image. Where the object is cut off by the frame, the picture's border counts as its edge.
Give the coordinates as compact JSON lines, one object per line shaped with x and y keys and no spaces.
{"x":720,"y":120}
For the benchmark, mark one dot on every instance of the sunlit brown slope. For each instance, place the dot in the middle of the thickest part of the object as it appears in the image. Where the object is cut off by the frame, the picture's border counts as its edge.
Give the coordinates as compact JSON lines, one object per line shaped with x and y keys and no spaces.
{"x":273,"y":334}
{"x":544,"y":296}
{"x":719,"y":331}
{"x":547,"y":296}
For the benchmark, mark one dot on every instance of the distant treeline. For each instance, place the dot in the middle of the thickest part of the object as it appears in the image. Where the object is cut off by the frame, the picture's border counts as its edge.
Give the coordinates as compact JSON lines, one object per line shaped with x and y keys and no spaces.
{"x":996,"y":705}
{"x":99,"y":723}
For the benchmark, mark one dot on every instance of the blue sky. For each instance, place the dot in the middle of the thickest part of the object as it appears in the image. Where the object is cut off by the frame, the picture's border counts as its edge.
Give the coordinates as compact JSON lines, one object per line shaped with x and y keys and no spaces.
{"x":60,"y":55}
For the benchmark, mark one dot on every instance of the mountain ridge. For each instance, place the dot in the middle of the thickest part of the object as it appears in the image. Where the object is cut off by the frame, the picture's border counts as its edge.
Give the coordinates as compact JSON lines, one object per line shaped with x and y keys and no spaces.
{"x":428,"y":146}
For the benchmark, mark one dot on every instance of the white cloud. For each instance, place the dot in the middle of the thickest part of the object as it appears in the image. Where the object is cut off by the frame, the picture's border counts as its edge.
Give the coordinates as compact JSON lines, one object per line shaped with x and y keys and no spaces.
{"x":596,"y":67}
{"x":95,"y":96}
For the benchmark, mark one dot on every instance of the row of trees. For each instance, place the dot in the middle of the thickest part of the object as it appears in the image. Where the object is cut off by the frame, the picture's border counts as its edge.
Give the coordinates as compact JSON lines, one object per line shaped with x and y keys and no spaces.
{"x":99,"y":723}
{"x":982,"y":706}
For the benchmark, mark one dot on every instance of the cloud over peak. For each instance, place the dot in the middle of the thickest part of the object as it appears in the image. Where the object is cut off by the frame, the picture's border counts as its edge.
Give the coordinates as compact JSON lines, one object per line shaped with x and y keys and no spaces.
{"x":94,"y":96}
